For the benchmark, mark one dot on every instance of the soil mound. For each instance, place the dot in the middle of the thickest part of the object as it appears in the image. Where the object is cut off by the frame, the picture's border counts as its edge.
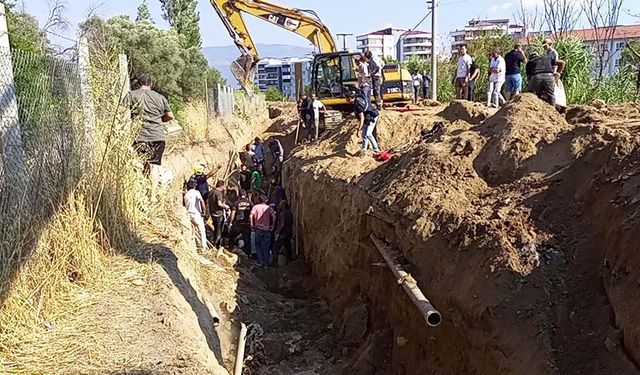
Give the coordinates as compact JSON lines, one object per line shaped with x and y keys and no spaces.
{"x":471,"y":112}
{"x":599,"y":113}
{"x":517,"y":132}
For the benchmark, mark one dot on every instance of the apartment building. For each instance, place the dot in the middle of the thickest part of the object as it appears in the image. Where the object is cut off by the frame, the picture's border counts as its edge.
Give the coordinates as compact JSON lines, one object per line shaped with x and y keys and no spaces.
{"x":397,"y":43}
{"x":618,"y":38}
{"x":281,"y":74}
{"x":481,"y":28}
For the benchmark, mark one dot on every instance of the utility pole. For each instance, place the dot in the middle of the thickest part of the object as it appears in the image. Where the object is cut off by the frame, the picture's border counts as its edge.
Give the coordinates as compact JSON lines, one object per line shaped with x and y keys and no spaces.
{"x":434,"y":53}
{"x":344,"y":40}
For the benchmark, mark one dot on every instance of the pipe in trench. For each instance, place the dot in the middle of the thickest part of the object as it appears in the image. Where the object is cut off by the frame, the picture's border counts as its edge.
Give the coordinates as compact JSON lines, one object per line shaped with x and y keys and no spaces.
{"x":410,"y":286}
{"x":242,"y":341}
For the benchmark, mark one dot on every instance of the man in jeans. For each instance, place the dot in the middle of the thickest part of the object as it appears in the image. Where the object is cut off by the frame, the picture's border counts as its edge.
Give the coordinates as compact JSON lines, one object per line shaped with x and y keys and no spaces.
{"x":368,"y":117}
{"x":216,"y":210}
{"x":497,"y":70}
{"x":194,"y":204}
{"x":262,"y":222}
{"x":513,"y":61}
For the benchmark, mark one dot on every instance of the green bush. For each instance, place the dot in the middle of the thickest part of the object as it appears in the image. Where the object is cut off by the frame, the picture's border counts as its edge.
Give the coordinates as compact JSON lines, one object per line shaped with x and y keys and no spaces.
{"x":273,"y":95}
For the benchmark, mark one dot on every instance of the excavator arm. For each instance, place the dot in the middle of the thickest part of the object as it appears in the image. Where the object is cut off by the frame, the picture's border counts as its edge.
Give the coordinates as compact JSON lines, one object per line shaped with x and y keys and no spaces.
{"x":304,"y":23}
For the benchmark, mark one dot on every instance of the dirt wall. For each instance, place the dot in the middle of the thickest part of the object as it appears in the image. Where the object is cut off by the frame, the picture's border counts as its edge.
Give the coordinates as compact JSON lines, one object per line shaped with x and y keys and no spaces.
{"x":519,"y":229}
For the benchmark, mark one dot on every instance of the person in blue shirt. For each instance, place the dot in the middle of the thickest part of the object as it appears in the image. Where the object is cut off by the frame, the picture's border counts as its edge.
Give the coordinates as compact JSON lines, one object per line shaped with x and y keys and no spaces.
{"x":259,"y":152}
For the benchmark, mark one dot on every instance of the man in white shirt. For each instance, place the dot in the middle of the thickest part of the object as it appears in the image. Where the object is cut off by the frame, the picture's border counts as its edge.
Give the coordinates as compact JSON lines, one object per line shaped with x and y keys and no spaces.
{"x":497,"y":68}
{"x":194,"y":204}
{"x":364,"y":80}
{"x":462,"y":73}
{"x":318,"y":107}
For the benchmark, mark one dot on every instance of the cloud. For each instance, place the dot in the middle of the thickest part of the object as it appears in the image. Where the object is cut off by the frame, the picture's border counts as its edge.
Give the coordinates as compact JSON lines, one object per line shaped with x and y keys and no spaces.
{"x":501,"y":7}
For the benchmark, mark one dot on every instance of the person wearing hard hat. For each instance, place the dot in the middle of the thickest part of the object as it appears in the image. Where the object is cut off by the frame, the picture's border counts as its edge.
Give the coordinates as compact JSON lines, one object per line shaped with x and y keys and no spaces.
{"x":200,"y":177}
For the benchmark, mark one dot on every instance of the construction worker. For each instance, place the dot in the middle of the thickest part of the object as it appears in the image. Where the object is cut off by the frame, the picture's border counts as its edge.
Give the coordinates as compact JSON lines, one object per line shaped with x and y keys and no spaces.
{"x":200,"y":177}
{"x":194,"y":203}
{"x":368,"y":116}
{"x":277,"y":152}
{"x":542,"y":73}
{"x":376,"y":64}
{"x":153,"y":109}
{"x":217,"y":207}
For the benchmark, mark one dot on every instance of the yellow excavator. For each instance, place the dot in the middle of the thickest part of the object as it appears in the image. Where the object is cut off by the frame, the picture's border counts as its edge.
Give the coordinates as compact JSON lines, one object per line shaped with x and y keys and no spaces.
{"x":333,"y":74}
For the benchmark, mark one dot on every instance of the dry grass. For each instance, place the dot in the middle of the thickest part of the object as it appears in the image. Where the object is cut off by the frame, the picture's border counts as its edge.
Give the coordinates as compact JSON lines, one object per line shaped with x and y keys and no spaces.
{"x":78,"y":210}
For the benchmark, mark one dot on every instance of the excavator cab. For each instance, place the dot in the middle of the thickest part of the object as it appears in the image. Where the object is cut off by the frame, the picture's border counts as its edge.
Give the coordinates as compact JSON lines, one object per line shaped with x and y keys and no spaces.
{"x":333,"y":75}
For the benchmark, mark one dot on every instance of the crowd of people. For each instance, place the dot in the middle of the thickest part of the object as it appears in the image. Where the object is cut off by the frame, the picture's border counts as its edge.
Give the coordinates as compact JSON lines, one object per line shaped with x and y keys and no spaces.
{"x":250,"y":215}
{"x":542,"y":72}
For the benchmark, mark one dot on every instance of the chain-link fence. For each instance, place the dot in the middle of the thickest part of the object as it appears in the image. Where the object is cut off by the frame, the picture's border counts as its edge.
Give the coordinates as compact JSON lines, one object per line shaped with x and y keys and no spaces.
{"x":43,"y":141}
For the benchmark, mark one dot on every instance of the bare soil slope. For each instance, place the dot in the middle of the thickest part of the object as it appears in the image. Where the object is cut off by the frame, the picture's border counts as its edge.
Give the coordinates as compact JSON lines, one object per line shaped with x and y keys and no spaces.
{"x":519,"y":226}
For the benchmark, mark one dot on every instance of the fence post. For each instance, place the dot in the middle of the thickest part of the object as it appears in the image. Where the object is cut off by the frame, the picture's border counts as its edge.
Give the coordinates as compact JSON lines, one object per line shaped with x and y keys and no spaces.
{"x":11,"y":148}
{"x":123,"y":81}
{"x":86,"y":94}
{"x":217,"y":103}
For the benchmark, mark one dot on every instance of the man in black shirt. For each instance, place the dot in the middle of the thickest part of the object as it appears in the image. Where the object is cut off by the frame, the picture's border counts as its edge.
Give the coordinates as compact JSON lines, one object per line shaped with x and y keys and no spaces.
{"x":541,"y":76}
{"x":513,"y":61}
{"x":284,"y":232}
{"x":474,"y":73}
{"x":216,"y":210}
{"x":244,"y":178}
{"x":240,"y":219}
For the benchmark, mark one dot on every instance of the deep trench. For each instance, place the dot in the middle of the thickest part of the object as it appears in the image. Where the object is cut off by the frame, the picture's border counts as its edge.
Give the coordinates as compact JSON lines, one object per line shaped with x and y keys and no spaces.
{"x":339,"y":310}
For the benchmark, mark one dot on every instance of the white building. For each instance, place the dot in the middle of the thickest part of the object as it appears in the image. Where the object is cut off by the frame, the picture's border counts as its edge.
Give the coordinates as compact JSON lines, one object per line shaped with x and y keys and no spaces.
{"x":612,"y":48}
{"x":481,"y":28}
{"x":399,"y":44}
{"x":281,"y":74}
{"x":415,"y":43}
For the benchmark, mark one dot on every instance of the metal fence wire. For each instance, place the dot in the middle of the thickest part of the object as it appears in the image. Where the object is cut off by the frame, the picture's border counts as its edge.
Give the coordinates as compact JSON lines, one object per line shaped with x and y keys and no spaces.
{"x":42,"y":138}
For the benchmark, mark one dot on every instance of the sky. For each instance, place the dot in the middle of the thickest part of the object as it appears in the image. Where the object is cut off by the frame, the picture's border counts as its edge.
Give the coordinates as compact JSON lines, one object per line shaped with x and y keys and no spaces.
{"x":338,"y":15}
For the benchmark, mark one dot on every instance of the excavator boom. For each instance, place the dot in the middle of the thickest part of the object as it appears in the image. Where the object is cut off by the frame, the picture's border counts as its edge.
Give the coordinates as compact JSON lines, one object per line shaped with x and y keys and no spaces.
{"x":304,"y":23}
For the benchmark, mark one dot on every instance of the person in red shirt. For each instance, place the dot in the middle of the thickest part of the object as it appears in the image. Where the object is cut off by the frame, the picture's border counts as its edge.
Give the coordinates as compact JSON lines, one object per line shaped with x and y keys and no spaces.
{"x":263,"y":219}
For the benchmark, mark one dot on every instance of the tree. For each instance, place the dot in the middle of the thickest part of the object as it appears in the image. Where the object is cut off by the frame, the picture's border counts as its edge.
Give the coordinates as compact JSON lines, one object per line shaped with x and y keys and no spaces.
{"x":417,"y":64}
{"x":273,"y":95}
{"x":530,"y":19}
{"x":182,"y":15}
{"x":143,"y":13}
{"x":561,"y":16}
{"x":214,"y":77}
{"x":603,"y":18}
{"x":25,"y":33}
{"x":389,"y":60}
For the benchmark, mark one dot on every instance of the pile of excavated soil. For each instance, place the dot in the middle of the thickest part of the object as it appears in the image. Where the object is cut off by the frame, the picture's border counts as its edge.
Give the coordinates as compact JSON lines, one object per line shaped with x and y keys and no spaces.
{"x":520,"y":228}
{"x":601,"y":113}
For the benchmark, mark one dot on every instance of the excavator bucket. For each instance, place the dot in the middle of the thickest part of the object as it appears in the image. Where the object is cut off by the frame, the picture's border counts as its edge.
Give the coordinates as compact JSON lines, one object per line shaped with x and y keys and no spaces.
{"x":244,"y":70}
